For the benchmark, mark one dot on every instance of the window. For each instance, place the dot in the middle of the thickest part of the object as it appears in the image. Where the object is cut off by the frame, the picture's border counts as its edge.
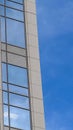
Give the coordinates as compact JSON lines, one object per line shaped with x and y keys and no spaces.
{"x":17,"y":75}
{"x":19,"y":101}
{"x":18,"y":90}
{"x":15,"y":97}
{"x":12,"y":23}
{"x":1,"y":1}
{"x":15,"y":33}
{"x":14,"y":5}
{"x":2,"y":10}
{"x":15,"y":14}
{"x":2,"y":29}
{"x":19,"y":118}
{"x":6,"y":121}
{"x":18,"y":1}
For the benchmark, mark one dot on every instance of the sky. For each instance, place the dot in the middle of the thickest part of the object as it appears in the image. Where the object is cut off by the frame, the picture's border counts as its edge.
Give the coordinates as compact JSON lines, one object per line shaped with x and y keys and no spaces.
{"x":55,"y":31}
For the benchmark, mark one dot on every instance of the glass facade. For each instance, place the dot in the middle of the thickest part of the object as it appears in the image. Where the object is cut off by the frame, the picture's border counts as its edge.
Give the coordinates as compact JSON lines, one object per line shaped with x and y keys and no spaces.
{"x":16,"y":104}
{"x":12,"y":22}
{"x":15,"y":97}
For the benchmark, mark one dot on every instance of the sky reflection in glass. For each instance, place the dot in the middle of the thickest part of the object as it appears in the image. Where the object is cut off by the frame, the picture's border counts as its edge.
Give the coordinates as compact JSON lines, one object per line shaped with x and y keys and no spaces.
{"x":20,"y":101}
{"x":17,"y":75}
{"x":15,"y":33}
{"x":19,"y":118}
{"x":6,"y":115}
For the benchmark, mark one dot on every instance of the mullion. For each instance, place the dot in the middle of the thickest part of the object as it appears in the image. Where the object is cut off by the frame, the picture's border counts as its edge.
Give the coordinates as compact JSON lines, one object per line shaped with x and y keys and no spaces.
{"x":16,"y":93}
{"x":9,"y":105}
{"x":14,"y":84}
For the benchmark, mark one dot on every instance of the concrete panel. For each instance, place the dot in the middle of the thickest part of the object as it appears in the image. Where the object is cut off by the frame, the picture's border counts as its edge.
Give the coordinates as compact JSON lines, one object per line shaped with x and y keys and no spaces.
{"x":3,"y":46}
{"x":30,"y":6}
{"x":36,"y":91}
{"x":35,"y":78}
{"x":37,"y":105}
{"x":31,"y":29}
{"x":33,"y":52}
{"x":34,"y":64}
{"x":6,"y":128}
{"x":32,"y":40}
{"x":3,"y":56}
{"x":31,"y":18}
{"x":16,"y":50}
{"x":16,"y":60}
{"x":39,"y":120}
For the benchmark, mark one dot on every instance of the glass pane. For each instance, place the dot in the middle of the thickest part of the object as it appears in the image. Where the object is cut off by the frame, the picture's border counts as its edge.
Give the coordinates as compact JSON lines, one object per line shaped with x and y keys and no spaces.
{"x":5,"y":97}
{"x":17,"y":75}
{"x":6,"y":115}
{"x":2,"y":29}
{"x":1,"y":1}
{"x":2,"y":10}
{"x":4,"y":75}
{"x":20,"y":118}
{"x":19,"y":1}
{"x":14,"y":5}
{"x":19,"y":101}
{"x":4,"y":86}
{"x":15,"y":33}
{"x":18,"y":15}
{"x":18,"y":90}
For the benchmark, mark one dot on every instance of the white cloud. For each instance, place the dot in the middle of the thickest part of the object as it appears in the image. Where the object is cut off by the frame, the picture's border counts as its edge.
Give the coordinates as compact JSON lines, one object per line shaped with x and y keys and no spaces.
{"x":12,"y":115}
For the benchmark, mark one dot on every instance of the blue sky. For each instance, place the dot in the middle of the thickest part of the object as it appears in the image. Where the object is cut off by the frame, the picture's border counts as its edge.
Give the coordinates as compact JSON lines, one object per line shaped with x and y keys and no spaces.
{"x":55,"y":27}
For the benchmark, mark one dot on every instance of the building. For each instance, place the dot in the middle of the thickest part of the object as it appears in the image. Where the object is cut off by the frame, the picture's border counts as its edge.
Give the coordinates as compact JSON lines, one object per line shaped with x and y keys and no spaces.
{"x":21,"y":102}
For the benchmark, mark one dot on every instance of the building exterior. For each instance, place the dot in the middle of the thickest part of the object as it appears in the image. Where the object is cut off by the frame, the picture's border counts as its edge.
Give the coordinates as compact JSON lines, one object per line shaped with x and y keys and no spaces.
{"x":21,"y":102}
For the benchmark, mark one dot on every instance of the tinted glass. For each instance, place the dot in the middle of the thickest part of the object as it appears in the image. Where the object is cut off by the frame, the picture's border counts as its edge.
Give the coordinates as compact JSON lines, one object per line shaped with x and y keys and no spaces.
{"x":18,"y":15}
{"x":19,"y":90}
{"x":4,"y":86}
{"x":19,"y":101}
{"x":19,"y":118}
{"x":17,"y":75}
{"x":15,"y":33}
{"x":14,"y":5}
{"x":5,"y":97}
{"x":4,"y":75}
{"x":2,"y":29}
{"x":6,"y":115}
{"x":1,"y":1}
{"x":19,"y":1}
{"x":2,"y":10}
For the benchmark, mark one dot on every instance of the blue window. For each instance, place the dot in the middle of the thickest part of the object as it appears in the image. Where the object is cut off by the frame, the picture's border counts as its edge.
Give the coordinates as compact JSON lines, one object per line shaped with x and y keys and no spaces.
{"x":17,"y":75}
{"x":19,"y":118}
{"x":15,"y":33}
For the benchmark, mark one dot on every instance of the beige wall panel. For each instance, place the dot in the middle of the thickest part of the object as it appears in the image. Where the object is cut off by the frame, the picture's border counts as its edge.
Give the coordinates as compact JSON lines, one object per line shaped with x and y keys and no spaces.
{"x":31,"y":29}
{"x":36,"y":91}
{"x":6,"y":128}
{"x":34,"y":64}
{"x":32,"y":40}
{"x":35,"y":78}
{"x":38,"y":120}
{"x":16,"y":50}
{"x":3,"y":46}
{"x":33,"y":52}
{"x":30,"y":6}
{"x":36,"y":128}
{"x":31,"y":18}
{"x":37,"y":105}
{"x":3,"y":56}
{"x":16,"y":60}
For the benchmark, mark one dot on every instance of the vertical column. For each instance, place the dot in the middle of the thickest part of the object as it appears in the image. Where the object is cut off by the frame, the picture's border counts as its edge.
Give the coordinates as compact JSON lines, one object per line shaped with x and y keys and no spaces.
{"x":1,"y":104}
{"x":37,"y":112}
